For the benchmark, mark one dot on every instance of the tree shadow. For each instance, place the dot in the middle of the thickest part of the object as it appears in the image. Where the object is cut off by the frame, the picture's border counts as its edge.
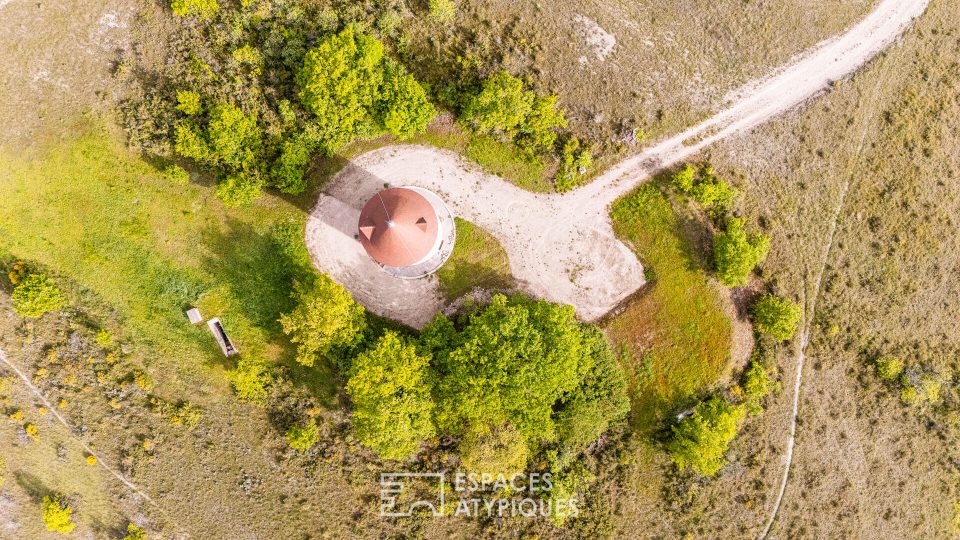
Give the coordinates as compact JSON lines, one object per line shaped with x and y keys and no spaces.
{"x":32,"y":486}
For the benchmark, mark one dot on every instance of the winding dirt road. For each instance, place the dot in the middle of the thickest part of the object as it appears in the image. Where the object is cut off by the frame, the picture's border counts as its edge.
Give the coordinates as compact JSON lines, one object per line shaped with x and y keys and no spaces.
{"x":562,"y":247}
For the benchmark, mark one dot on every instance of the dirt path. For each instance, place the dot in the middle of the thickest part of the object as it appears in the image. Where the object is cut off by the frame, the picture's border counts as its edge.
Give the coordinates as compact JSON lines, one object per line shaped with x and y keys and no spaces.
{"x":562,"y":247}
{"x":100,"y":461}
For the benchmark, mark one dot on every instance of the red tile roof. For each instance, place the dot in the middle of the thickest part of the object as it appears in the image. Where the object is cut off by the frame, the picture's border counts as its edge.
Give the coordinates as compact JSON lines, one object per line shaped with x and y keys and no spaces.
{"x":398,"y":227}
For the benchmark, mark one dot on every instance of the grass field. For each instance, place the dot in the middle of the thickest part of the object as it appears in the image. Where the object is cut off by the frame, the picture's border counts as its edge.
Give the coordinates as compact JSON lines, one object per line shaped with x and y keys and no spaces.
{"x":676,"y":331}
{"x":477,"y":260}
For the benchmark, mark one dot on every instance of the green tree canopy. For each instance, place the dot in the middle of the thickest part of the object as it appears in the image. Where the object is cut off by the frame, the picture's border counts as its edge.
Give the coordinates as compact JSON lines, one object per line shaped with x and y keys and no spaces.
{"x":354,"y":90}
{"x":511,"y":363}
{"x":700,"y":440}
{"x":393,"y":408}
{"x":326,"y":316}
{"x":776,"y":316}
{"x":736,"y":253}
{"x":35,"y":295}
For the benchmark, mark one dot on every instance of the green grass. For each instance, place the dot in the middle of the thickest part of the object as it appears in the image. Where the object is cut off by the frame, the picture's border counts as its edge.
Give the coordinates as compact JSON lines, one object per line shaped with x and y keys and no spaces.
{"x":502,"y":159}
{"x":478,"y":260}
{"x":106,"y":223}
{"x":676,"y":332}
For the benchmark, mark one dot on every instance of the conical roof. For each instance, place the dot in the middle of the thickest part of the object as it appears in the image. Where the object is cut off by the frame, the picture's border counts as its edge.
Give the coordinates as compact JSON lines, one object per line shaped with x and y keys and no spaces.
{"x":398,"y":227}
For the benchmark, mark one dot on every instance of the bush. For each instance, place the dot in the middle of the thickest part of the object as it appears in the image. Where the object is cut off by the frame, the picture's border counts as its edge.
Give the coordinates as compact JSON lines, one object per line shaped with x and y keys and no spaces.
{"x":233,"y":137}
{"x":135,"y":533}
{"x":756,"y":386}
{"x":736,"y":253}
{"x":182,"y":413}
{"x":57,"y":515}
{"x":188,"y":102}
{"x":500,"y":106}
{"x":239,"y":189}
{"x":390,"y":385}
{"x":776,"y":317}
{"x":251,"y":380}
{"x":574,"y":162}
{"x":325,"y":317}
{"x":402,"y":107}
{"x":177,"y":175}
{"x":204,"y":9}
{"x":500,"y":450}
{"x":442,"y":10}
{"x":700,"y":440}
{"x":35,"y":295}
{"x":302,"y":438}
{"x":889,"y":368}
{"x":706,"y":188}
{"x":287,"y":171}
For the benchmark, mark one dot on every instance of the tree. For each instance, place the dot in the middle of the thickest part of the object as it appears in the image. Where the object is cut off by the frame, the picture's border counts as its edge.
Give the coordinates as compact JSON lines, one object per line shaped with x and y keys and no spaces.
{"x":402,"y":107}
{"x":326,"y":316}
{"x":251,"y":380}
{"x":204,"y":9}
{"x":57,"y":515}
{"x":512,"y":362}
{"x":390,"y":386}
{"x":538,"y":131}
{"x":500,"y":106}
{"x":35,"y":295}
{"x":599,"y":402}
{"x":501,"y":450}
{"x":287,"y":171}
{"x":777,"y":317}
{"x":354,"y":90}
{"x":338,"y":84}
{"x":700,"y":440}
{"x":736,"y":253}
{"x":302,"y":438}
{"x":234,"y":137}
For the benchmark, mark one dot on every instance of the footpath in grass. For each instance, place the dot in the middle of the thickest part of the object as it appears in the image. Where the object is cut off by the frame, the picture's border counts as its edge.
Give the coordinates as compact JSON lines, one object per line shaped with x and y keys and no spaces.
{"x":478,"y":260}
{"x":676,"y":332}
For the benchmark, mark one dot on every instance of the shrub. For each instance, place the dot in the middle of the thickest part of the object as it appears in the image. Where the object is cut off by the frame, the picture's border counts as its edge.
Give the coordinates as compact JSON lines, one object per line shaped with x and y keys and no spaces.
{"x":736,"y":253}
{"x":287,"y":171}
{"x":700,"y":440}
{"x":756,"y":386}
{"x":182,"y":413}
{"x":442,"y":10}
{"x":599,"y":402}
{"x":234,"y":138}
{"x":889,"y":368}
{"x":302,"y":438}
{"x":239,"y":189}
{"x":251,"y":380}
{"x":705,"y":187}
{"x":91,"y":460}
{"x":35,"y":295}
{"x":500,"y":106}
{"x":104,"y":339}
{"x":574,"y":162}
{"x":135,"y":533}
{"x":325,"y":317}
{"x":390,"y":385}
{"x":57,"y":515}
{"x":500,"y":450}
{"x":204,"y":9}
{"x":17,"y":272}
{"x":31,"y":431}
{"x":538,"y":131}
{"x":177,"y":175}
{"x":188,"y":102}
{"x":777,"y":317}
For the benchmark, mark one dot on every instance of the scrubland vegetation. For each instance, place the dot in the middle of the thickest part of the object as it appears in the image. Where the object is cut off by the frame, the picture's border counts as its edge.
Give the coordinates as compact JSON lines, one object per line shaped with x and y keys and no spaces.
{"x":647,"y":418}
